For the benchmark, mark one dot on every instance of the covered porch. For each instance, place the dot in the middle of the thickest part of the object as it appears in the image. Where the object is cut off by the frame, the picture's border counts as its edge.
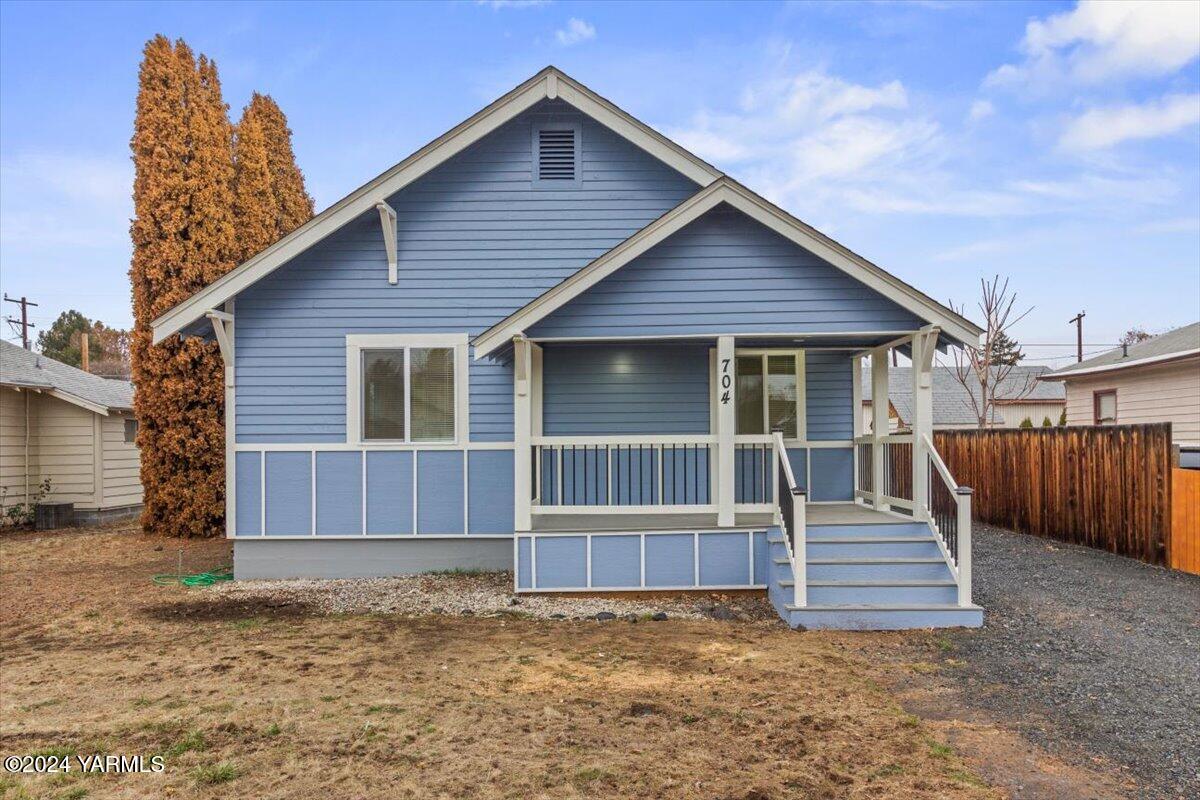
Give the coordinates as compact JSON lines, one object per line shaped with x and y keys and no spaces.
{"x":670,"y":433}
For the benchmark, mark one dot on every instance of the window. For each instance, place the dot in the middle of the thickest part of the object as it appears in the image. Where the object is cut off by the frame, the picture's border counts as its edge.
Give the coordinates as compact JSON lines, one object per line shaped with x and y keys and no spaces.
{"x":405,"y":388}
{"x":1104,"y":407}
{"x":768,"y":392}
{"x":131,"y":429}
{"x":556,"y":155}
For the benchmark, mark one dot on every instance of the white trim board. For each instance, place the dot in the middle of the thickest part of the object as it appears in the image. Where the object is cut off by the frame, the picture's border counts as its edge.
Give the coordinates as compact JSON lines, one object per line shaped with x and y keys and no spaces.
{"x":356,"y":343}
{"x":549,"y":83}
{"x":728,"y":191}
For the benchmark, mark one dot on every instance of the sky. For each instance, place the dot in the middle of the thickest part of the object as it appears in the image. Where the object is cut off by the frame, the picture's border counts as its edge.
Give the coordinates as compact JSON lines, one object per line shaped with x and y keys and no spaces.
{"x":1054,"y":144}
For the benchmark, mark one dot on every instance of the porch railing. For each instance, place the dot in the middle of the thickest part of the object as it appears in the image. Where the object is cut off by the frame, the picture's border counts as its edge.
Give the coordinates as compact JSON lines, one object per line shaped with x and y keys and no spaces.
{"x":623,"y":473}
{"x":884,"y":472}
{"x":792,"y":511}
{"x":947,"y":506}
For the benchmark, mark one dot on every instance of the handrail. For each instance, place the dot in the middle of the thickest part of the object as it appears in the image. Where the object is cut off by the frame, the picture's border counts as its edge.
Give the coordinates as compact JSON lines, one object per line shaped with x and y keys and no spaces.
{"x":701,"y":438}
{"x":790,"y":501}
{"x":783,"y":459}
{"x":947,"y":506}
{"x":936,"y":458}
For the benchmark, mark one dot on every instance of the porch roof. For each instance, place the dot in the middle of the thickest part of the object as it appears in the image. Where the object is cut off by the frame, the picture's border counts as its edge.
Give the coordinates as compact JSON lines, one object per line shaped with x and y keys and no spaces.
{"x":728,"y":192}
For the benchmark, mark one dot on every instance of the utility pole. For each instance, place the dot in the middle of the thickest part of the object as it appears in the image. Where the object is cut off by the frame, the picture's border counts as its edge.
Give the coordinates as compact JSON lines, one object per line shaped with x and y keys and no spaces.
{"x":24,"y":322}
{"x":83,"y":352}
{"x":1077,"y":320}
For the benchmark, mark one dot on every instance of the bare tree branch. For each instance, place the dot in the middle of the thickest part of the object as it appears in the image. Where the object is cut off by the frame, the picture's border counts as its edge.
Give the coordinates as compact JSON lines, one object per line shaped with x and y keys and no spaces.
{"x":977,"y":368}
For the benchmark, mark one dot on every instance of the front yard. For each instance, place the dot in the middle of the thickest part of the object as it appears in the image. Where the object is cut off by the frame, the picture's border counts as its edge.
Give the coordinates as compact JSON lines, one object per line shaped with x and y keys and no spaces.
{"x":255,"y":699}
{"x":281,"y":694}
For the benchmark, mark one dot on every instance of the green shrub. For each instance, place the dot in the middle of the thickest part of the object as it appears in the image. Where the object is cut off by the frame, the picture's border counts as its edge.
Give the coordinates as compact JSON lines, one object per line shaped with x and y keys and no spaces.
{"x":1026,"y":423}
{"x":1046,"y":423}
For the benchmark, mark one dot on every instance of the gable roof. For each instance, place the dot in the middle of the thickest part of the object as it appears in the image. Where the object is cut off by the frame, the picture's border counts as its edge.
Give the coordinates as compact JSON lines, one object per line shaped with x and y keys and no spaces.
{"x":1175,"y":344}
{"x":952,"y":401}
{"x":550,"y":83}
{"x":22,"y":369}
{"x":727,"y":191}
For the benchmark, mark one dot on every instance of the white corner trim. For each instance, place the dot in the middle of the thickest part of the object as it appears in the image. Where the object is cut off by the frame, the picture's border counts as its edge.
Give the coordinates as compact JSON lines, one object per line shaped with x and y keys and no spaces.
{"x":447,"y":145}
{"x":726,"y":190}
{"x":387,"y":220}
{"x":357,"y":342}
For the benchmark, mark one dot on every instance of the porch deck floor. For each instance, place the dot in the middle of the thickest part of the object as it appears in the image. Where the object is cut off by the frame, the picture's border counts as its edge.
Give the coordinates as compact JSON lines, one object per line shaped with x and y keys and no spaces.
{"x":834,"y":514}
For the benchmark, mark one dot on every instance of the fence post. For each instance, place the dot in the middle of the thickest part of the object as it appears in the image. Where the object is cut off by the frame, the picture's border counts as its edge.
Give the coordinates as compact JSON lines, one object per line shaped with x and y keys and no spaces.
{"x":799,"y":556}
{"x":963,"y":496}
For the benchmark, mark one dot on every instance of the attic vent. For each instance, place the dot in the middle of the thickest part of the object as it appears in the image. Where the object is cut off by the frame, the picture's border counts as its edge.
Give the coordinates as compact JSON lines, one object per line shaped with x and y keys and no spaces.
{"x":556,"y":154}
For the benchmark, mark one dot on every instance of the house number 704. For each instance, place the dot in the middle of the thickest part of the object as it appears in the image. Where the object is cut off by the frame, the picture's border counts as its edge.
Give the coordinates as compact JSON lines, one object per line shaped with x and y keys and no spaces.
{"x":726,"y":380}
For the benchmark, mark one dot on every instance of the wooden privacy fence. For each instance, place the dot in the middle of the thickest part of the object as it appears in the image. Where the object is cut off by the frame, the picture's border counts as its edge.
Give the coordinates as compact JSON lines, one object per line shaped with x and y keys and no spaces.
{"x":1108,"y":488}
{"x":1185,"y":520}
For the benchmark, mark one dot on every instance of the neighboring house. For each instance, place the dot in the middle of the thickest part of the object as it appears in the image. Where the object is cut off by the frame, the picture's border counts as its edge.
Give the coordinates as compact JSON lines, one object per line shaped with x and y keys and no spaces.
{"x":1157,"y":380}
{"x":69,"y":427}
{"x":1019,"y":396}
{"x":554,"y":341}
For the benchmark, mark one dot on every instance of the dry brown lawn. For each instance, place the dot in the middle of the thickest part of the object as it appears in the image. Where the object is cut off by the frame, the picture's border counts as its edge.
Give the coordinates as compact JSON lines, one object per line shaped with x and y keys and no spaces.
{"x":248,"y":700}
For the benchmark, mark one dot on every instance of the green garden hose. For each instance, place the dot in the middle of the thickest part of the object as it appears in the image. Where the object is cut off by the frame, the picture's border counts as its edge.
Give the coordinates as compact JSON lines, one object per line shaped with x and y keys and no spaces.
{"x":199,"y":579}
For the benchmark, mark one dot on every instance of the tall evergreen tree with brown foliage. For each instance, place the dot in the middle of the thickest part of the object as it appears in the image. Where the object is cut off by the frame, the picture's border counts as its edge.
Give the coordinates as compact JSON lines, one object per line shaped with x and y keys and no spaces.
{"x":254,"y":202}
{"x":293,"y":204}
{"x":183,"y":238}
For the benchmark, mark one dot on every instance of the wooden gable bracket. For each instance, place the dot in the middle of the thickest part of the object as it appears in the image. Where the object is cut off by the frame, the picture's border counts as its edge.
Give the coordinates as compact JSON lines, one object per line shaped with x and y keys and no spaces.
{"x":219,"y":320}
{"x":929,"y":336}
{"x":387,"y":218}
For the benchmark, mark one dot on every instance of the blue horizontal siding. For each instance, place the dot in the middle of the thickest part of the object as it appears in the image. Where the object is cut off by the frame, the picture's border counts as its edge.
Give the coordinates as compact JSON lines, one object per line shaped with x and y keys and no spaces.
{"x":625,"y":389}
{"x":829,"y":405}
{"x":725,"y":273}
{"x":476,"y":242}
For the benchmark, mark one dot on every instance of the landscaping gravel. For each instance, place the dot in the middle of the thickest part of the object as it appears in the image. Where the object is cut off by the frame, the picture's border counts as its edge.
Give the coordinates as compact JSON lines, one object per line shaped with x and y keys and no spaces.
{"x":1086,"y":649}
{"x":489,"y":594}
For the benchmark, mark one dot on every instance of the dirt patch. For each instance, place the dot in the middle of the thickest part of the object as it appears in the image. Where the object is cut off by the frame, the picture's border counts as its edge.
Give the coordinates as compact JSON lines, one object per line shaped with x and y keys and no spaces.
{"x":246,"y":699}
{"x":226,"y":610}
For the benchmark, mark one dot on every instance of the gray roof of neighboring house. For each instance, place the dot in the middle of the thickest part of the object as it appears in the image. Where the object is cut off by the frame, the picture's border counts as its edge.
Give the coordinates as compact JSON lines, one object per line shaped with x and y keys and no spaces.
{"x":23,"y":368}
{"x":1161,"y":347}
{"x":952,"y":403}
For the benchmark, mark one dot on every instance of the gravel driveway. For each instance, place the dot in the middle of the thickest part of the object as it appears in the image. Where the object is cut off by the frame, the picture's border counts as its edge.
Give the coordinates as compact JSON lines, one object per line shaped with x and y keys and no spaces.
{"x":1083,"y":649}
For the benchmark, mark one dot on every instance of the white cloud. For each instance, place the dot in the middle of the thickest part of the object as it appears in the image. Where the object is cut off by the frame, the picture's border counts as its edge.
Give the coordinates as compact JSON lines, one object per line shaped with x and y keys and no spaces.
{"x":497,"y":5}
{"x":1098,"y":41}
{"x":65,"y":198}
{"x":980,"y":110}
{"x":577,"y":31}
{"x":1176,"y":225}
{"x":1105,"y":127}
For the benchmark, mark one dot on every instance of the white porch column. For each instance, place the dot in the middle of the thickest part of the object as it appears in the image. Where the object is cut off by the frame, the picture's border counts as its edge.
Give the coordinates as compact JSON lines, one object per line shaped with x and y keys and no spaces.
{"x":522,"y":433}
{"x":726,"y":419}
{"x":923,"y":348}
{"x":879,"y":421}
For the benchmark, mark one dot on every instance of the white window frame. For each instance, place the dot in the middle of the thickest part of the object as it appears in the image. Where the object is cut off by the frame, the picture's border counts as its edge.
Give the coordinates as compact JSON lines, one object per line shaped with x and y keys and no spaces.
{"x":801,"y":390}
{"x":356,"y":343}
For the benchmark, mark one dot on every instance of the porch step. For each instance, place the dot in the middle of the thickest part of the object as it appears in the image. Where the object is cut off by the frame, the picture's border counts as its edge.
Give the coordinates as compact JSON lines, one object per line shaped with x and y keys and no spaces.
{"x":870,"y":531}
{"x":877,"y":569}
{"x":881,"y":593}
{"x":884,"y":617}
{"x":882,"y":547}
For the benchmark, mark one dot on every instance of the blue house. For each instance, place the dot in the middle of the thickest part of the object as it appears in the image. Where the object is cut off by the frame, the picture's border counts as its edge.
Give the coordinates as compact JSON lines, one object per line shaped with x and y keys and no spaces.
{"x":555,"y":342}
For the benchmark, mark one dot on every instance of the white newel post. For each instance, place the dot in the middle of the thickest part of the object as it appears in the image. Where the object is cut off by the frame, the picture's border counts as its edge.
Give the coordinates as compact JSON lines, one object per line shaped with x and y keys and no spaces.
{"x":800,"y":547}
{"x":725,"y":388}
{"x":923,"y":348}
{"x":522,"y":424}
{"x":880,"y":405}
{"x":963,"y":495}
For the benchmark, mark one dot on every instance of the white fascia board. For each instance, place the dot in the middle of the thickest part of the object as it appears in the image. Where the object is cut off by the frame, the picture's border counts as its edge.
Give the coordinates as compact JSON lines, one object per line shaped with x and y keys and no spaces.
{"x":67,"y":397}
{"x":547,"y":83}
{"x":726,"y":190}
{"x":1137,"y":362}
